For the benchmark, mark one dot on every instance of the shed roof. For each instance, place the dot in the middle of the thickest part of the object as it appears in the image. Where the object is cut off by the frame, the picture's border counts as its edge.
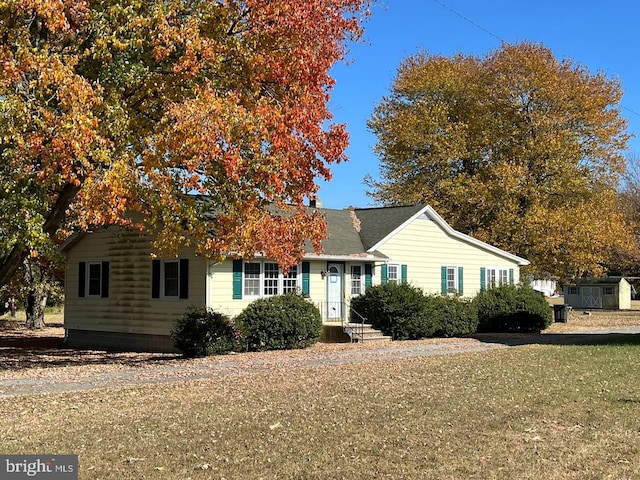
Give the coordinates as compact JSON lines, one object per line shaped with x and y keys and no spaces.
{"x":598,"y":281}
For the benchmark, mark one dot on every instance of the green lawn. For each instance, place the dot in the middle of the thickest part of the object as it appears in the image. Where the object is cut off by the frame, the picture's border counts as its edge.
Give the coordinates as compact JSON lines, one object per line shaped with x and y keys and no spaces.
{"x":538,"y":412}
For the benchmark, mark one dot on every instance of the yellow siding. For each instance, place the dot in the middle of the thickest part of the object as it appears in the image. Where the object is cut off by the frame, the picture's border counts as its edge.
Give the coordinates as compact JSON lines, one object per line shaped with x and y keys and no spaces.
{"x":317,"y":284}
{"x":220,"y":287}
{"x":424,"y":247}
{"x":129,"y":308}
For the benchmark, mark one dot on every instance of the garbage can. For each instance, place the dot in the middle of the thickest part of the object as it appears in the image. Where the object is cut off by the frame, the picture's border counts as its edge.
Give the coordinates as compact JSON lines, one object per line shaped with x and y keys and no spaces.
{"x":560,"y":313}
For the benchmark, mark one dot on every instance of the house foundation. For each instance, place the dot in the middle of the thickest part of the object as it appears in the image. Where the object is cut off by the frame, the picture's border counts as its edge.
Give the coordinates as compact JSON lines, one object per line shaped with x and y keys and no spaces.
{"x":119,"y":341}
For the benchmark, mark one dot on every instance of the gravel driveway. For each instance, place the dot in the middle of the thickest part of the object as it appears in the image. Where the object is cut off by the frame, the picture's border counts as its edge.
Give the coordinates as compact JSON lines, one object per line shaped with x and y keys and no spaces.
{"x":55,"y":369}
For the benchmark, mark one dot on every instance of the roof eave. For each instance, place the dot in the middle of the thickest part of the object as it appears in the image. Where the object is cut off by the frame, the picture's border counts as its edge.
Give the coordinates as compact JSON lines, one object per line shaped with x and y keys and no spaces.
{"x":347,"y":258}
{"x":431,"y":213}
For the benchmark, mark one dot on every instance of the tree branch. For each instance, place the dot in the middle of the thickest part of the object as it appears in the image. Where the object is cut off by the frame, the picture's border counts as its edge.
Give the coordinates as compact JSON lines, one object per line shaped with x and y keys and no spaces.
{"x":59,"y":209}
{"x":10,"y":263}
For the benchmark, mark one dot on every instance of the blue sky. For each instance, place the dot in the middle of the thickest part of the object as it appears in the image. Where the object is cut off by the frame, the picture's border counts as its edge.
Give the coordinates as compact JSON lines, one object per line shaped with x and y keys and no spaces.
{"x":601,"y":36}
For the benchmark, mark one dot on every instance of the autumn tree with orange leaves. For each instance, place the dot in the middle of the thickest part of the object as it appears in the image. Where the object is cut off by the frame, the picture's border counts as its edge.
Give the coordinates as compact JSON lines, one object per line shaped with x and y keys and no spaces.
{"x":516,"y":148}
{"x":112,"y":107}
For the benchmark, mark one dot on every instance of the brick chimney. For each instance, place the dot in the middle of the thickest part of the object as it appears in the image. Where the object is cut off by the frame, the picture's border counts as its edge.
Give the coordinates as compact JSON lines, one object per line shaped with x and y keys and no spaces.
{"x":315,"y":202}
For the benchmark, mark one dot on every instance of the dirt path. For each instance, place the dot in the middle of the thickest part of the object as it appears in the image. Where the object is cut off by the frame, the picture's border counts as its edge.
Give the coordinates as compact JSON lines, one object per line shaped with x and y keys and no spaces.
{"x":43,"y":380}
{"x":38,"y":363}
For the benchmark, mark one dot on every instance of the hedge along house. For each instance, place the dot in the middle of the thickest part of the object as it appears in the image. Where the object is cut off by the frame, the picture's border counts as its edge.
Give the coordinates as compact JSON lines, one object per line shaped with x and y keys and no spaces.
{"x":610,"y":293}
{"x":118,"y":296}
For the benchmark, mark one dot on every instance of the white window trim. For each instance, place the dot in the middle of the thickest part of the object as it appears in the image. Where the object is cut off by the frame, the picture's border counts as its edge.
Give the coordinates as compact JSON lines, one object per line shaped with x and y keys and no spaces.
{"x":244,"y":279}
{"x":281,"y":279}
{"x":398,"y":269}
{"x":611,"y":291}
{"x":498,"y":280}
{"x":296,"y":283}
{"x":362,"y":279}
{"x":86,"y":280}
{"x":454,"y":290}
{"x":162,"y":279}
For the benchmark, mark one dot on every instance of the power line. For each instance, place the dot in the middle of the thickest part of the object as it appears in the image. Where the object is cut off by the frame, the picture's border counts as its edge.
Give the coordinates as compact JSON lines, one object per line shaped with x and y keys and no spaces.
{"x":468,"y":20}
{"x":629,"y":110}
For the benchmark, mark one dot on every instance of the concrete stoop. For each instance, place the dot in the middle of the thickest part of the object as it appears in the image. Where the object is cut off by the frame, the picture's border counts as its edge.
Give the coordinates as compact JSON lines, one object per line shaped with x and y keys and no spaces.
{"x":365,"y":333}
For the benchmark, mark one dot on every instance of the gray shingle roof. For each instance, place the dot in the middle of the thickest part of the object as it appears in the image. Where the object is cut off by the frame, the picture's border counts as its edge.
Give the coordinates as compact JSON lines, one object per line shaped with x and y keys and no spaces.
{"x":596,"y":281}
{"x":377,"y":223}
{"x":348,"y":235}
{"x":342,"y":239}
{"x":342,"y":235}
{"x":354,"y":232}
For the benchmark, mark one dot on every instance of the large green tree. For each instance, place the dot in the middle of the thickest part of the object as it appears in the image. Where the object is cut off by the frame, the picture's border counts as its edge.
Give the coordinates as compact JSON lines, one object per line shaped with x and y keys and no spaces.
{"x":516,"y":148}
{"x":109,"y":107}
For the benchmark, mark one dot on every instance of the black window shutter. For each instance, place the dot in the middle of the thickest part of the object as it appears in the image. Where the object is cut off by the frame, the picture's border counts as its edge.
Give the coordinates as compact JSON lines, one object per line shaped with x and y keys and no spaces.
{"x":184,"y":278}
{"x":155,"y":279}
{"x":105,"y":280}
{"x":82,"y":277}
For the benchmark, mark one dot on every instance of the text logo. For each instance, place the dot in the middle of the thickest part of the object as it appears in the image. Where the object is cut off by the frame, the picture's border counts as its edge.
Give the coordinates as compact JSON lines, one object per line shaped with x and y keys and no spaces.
{"x":40,"y":467}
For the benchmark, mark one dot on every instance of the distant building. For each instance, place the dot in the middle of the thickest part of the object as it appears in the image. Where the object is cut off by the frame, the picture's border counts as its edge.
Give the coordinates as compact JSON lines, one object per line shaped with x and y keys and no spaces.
{"x":611,"y":293}
{"x":547,"y":286}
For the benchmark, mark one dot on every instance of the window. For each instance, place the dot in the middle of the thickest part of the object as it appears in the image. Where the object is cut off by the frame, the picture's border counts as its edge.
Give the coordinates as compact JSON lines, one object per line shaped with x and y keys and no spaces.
{"x":271,"y":279}
{"x":266,"y":279}
{"x":608,"y":291}
{"x":252,"y":279}
{"x":574,"y":291}
{"x":392,"y":273}
{"x":290,"y":281}
{"x":497,"y":276}
{"x":93,"y":279}
{"x":357,"y":280}
{"x":170,"y":278}
{"x":452,"y":279}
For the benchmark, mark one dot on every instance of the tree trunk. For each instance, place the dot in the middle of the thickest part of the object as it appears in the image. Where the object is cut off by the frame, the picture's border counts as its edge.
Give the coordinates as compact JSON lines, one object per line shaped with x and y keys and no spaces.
{"x":36,"y":301}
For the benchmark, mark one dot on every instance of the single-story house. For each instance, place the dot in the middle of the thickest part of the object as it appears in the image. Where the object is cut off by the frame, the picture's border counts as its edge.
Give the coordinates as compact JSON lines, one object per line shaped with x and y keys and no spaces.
{"x":545,"y":284}
{"x":118,"y":296}
{"x":611,"y":293}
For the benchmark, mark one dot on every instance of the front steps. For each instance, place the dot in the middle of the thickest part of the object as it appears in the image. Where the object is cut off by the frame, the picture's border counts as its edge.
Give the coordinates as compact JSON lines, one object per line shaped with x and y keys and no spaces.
{"x":364,"y":333}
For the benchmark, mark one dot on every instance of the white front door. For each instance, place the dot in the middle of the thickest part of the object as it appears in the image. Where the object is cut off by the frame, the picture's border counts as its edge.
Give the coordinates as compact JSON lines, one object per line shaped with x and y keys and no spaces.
{"x":334,"y":291}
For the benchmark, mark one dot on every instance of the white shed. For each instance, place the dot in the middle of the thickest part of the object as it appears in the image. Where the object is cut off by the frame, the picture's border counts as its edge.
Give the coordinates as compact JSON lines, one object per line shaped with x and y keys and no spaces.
{"x":610,"y":293}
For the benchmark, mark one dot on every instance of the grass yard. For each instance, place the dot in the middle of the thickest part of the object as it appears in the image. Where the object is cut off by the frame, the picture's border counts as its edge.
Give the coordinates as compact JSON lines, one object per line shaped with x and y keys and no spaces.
{"x":530,"y":412}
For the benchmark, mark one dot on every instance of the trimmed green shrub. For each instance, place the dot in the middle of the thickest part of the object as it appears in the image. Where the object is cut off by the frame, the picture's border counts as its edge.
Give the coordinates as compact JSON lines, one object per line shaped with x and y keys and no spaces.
{"x":510,"y":308}
{"x":280,"y":322}
{"x":201,"y":332}
{"x":454,"y":316}
{"x":400,"y":310}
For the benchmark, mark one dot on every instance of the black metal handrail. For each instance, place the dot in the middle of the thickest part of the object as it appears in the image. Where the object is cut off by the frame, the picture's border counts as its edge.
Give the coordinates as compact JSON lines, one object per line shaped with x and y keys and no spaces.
{"x":352,"y":322}
{"x":359,"y":323}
